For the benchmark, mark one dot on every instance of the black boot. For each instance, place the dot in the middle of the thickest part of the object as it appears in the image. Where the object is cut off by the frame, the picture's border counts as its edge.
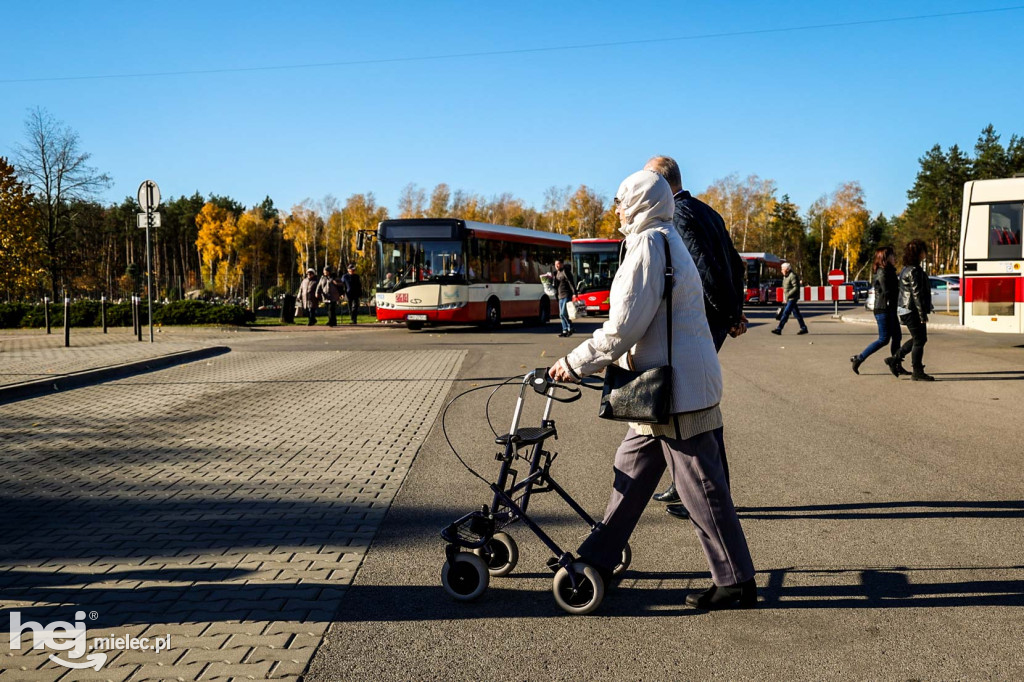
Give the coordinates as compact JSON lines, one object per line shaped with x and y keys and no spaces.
{"x":743,"y":596}
{"x":670,"y":496}
{"x":894,"y":365}
{"x":856,"y":361}
{"x":919,"y":375}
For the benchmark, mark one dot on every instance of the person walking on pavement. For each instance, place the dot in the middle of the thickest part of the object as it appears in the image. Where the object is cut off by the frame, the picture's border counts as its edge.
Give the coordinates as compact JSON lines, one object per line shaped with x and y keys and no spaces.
{"x":308,"y":296}
{"x":913,"y":307}
{"x":636,"y":335}
{"x":565,"y":289}
{"x":330,"y":294}
{"x":886,"y":287}
{"x":791,"y":290}
{"x":722,"y":275}
{"x":353,"y":290}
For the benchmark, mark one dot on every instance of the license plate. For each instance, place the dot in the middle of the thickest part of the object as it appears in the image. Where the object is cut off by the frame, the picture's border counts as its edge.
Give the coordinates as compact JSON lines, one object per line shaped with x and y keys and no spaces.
{"x":593,"y":307}
{"x":417,"y":318}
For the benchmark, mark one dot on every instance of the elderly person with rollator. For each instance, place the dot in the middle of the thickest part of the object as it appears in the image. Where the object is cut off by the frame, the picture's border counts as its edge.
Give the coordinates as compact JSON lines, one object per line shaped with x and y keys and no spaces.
{"x":636,"y":336}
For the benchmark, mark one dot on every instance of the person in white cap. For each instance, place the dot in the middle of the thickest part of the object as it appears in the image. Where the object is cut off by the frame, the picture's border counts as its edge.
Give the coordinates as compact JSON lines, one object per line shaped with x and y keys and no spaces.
{"x":636,"y":335}
{"x":308,"y":297}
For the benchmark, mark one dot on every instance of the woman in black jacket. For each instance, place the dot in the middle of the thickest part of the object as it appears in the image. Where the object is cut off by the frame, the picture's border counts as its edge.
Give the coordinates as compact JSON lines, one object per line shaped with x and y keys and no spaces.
{"x":886,"y":286}
{"x":913,"y":306}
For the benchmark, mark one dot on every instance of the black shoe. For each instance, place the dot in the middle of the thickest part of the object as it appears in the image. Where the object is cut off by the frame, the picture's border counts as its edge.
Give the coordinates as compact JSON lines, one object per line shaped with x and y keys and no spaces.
{"x":777,"y":332}
{"x":670,"y":496}
{"x":678,"y":511}
{"x":742,"y":596}
{"x":563,"y":334}
{"x":856,"y":362}
{"x":902,"y":370}
{"x":894,"y":365}
{"x":919,"y":375}
{"x":569,"y":333}
{"x":802,"y":331}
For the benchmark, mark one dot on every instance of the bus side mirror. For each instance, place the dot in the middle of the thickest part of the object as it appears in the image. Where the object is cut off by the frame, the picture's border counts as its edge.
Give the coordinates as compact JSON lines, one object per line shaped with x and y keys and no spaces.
{"x":360,"y":238}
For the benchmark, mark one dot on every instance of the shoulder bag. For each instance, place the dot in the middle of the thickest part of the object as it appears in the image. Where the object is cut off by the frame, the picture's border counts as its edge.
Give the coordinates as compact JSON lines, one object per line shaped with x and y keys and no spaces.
{"x":631,"y":396}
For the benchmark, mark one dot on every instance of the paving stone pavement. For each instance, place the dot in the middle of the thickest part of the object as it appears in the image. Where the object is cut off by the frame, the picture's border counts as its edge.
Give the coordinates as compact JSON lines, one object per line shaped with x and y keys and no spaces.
{"x":31,"y":355}
{"x":226,"y":503}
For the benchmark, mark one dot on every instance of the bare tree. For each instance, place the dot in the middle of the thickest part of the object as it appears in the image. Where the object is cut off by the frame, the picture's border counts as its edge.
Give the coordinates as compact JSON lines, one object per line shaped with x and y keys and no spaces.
{"x":58,"y":173}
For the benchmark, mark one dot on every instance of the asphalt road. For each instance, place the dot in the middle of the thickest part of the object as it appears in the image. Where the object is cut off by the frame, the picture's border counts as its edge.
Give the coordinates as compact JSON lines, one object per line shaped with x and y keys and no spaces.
{"x":883,"y":515}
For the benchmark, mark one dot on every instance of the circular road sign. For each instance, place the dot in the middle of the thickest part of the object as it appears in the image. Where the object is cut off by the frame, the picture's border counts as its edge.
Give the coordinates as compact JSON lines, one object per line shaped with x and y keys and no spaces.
{"x":836,"y":277}
{"x":149,"y":196}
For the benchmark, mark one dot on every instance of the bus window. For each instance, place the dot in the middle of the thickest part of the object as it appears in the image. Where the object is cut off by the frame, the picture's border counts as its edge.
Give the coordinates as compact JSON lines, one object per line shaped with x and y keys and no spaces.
{"x":1004,"y":230}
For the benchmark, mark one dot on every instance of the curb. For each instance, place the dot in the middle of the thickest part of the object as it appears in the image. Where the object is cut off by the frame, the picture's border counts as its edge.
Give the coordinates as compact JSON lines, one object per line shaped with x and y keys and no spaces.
{"x":89,"y":377}
{"x":860,"y":320}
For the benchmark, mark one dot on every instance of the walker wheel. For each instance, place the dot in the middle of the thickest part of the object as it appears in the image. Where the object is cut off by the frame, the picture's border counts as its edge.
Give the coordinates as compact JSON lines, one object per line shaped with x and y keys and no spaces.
{"x":465,"y":577}
{"x":627,"y":557}
{"x":587,"y":594}
{"x":500,"y":553}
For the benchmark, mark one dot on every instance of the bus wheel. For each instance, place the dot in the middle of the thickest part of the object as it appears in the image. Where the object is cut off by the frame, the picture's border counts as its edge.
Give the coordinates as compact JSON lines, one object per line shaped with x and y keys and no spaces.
{"x":493,"y":319}
{"x":413,"y":326}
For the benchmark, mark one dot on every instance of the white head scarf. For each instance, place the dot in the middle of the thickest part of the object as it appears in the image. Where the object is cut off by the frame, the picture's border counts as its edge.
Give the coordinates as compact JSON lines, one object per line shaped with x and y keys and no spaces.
{"x":646,"y":200}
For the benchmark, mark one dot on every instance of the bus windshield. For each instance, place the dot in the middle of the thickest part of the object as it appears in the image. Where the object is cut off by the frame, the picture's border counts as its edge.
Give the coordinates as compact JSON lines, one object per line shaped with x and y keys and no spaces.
{"x":408,"y":262}
{"x":595,"y":271}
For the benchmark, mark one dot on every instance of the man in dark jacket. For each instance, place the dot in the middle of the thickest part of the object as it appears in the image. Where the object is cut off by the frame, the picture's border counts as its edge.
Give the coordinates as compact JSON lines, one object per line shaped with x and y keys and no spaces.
{"x":722,"y":273}
{"x":565,"y":287}
{"x":353,"y":290}
{"x":791,"y":289}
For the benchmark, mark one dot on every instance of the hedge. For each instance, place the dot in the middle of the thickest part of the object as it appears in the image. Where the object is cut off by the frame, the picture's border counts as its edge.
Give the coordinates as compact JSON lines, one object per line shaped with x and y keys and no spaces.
{"x":87,"y":314}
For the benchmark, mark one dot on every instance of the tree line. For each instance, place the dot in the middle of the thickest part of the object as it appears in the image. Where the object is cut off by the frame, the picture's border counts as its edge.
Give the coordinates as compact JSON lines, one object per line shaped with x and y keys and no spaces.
{"x":57,"y":238}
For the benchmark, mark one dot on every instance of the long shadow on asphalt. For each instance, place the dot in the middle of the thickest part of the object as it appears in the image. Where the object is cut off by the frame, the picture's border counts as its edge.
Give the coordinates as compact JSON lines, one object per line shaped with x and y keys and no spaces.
{"x":997,"y":509}
{"x":643,"y":594}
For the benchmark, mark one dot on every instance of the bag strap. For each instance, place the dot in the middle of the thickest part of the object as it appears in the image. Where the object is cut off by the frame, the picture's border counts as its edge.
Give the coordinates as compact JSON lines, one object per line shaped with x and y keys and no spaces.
{"x":667,"y":293}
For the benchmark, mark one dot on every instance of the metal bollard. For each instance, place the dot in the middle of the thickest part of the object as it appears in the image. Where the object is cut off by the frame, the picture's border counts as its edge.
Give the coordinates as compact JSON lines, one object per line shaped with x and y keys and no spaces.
{"x":103,"y":312}
{"x":46,"y":313}
{"x":135,"y":317}
{"x":67,"y":322}
{"x":139,"y":316}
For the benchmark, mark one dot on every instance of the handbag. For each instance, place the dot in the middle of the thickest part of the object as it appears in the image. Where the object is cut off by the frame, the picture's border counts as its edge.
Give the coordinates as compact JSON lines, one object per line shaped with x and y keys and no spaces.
{"x":632,"y":396}
{"x":571,"y":310}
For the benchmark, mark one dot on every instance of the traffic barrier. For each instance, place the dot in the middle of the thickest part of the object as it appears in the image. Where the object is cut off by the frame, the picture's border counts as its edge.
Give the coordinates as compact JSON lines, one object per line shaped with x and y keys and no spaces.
{"x":832,"y":293}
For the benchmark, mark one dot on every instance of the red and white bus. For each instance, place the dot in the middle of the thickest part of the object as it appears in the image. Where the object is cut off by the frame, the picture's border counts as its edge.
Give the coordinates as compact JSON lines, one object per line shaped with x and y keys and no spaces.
{"x":594,"y":263}
{"x":442,"y":270}
{"x":991,"y":257}
{"x":764,"y":276}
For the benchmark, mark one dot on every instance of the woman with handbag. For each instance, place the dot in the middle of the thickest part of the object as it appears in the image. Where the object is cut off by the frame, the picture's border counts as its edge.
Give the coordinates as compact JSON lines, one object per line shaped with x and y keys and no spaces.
{"x":657,"y":339}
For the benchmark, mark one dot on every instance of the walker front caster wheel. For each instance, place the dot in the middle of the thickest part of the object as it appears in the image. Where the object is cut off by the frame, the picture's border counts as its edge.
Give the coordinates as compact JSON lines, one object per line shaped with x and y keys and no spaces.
{"x":500,"y":553}
{"x":465,"y":576}
{"x":585,"y":595}
{"x":627,"y":557}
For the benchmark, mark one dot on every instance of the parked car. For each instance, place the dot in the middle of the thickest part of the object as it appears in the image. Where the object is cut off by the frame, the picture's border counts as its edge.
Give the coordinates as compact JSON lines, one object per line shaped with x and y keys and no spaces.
{"x":860,"y":289}
{"x":945,"y":293}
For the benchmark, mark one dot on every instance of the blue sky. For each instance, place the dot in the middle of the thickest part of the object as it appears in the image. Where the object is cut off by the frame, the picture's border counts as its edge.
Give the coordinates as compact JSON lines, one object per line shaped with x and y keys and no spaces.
{"x":809,"y":108}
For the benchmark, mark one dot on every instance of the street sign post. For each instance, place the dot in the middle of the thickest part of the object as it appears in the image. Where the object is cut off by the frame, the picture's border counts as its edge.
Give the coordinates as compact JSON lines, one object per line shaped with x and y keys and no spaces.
{"x":835,"y":278}
{"x":149,"y":200}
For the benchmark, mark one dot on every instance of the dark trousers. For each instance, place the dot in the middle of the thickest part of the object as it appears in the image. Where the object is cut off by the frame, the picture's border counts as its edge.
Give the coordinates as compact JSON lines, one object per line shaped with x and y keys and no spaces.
{"x":791,"y":307}
{"x":332,"y":313}
{"x":888,"y":332}
{"x":915,"y":345}
{"x":700,"y":480}
{"x":311,"y":312}
{"x":353,"y":309}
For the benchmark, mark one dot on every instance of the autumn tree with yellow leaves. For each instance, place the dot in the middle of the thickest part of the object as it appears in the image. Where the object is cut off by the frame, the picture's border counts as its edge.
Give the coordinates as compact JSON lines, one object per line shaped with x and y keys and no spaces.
{"x":20,"y":251}
{"x":216,"y":243}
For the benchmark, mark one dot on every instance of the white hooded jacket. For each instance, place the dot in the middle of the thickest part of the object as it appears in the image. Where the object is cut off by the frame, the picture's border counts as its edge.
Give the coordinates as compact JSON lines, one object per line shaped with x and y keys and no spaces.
{"x":637,"y":318}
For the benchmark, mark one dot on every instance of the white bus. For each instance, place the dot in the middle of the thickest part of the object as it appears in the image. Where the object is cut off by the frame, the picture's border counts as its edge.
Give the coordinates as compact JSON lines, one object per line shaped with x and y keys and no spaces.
{"x":991,"y":260}
{"x":441,"y":270}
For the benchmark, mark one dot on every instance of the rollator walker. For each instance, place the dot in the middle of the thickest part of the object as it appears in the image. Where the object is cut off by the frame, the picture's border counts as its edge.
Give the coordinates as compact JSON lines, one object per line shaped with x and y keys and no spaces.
{"x":478,"y":546}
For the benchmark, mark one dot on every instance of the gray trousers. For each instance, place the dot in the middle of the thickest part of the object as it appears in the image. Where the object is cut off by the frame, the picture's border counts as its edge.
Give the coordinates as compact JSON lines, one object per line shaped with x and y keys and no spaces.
{"x":700,"y":481}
